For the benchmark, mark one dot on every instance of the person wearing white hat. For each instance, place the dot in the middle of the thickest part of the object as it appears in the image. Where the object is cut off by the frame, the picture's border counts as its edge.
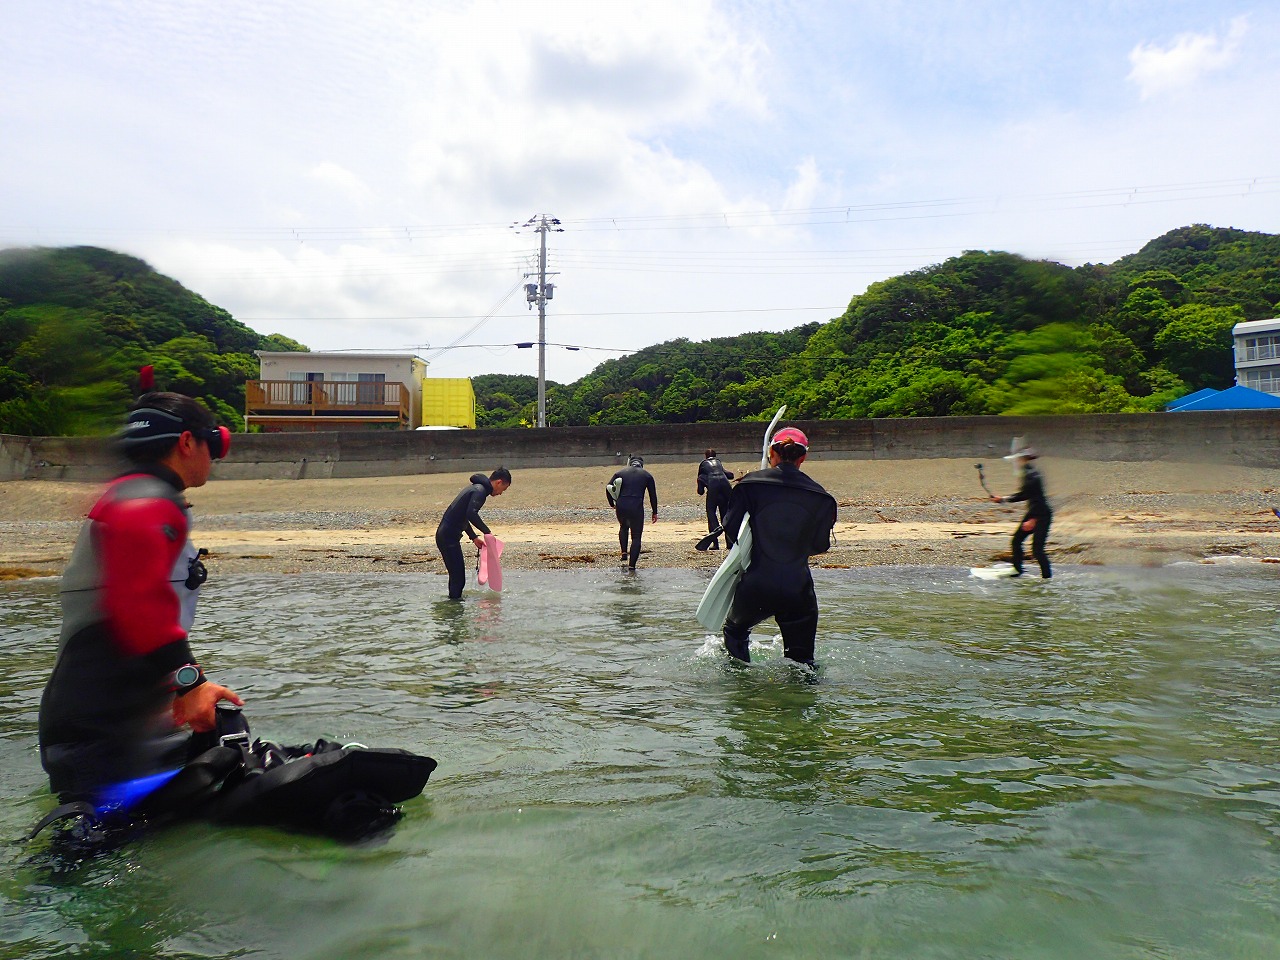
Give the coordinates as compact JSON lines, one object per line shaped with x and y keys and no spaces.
{"x":1035,"y":523}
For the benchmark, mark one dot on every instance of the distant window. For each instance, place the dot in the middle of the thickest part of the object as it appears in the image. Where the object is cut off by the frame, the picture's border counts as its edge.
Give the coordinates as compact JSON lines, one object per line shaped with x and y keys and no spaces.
{"x":301,"y":393}
{"x":1261,"y":348}
{"x":1268,"y":381}
{"x":341,"y":389}
{"x":372,"y":388}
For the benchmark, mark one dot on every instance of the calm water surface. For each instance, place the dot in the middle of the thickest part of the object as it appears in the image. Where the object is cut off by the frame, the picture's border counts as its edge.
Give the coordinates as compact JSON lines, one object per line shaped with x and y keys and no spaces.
{"x":1083,"y":769}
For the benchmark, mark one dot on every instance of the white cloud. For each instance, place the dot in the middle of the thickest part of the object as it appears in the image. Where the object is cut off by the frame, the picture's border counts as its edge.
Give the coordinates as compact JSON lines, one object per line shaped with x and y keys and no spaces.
{"x":1190,"y":57}
{"x":571,"y":105}
{"x":361,"y":161}
{"x":335,"y":177}
{"x":806,"y":188}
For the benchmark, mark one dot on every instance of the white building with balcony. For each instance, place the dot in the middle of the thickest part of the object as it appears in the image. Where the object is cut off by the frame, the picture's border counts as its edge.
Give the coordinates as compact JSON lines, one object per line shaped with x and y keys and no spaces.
{"x":1257,"y":347}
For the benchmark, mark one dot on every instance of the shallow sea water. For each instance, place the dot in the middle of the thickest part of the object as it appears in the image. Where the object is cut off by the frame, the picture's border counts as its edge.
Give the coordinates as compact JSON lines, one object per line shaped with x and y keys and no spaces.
{"x":1083,"y":769}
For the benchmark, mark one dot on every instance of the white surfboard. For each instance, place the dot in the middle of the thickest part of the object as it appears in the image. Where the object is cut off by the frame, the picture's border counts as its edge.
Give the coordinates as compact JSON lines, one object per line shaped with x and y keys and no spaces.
{"x":999,"y":571}
{"x":718,"y":597}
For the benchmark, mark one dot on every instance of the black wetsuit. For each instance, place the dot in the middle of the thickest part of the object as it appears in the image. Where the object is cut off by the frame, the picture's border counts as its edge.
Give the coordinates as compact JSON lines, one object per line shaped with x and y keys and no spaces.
{"x":463,"y":515}
{"x":713,"y":479}
{"x":1032,"y":491}
{"x":629,"y":505}
{"x":791,"y":520}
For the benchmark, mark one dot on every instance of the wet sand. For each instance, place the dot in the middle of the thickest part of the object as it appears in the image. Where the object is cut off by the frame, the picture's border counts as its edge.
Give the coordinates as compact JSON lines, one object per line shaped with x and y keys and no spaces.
{"x":914,"y":512}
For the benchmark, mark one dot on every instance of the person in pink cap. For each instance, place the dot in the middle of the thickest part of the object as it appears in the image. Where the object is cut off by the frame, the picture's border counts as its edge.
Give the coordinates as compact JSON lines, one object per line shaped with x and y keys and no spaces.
{"x":791,"y":517}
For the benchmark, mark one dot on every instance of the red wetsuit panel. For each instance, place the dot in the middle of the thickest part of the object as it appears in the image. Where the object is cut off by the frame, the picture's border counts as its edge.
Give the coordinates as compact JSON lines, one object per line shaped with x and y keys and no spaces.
{"x":139,"y":542}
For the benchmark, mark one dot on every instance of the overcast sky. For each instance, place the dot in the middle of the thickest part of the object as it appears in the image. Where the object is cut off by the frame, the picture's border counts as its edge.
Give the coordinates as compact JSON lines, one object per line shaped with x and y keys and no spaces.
{"x":347,"y":173}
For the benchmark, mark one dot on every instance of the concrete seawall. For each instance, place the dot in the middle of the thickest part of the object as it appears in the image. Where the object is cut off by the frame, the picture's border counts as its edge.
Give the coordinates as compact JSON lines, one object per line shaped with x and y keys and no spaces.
{"x":1243,"y":437}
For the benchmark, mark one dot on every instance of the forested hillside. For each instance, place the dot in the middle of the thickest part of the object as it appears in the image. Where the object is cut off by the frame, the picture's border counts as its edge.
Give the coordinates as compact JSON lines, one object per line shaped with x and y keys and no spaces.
{"x":76,"y":324}
{"x":982,"y":333}
{"x":991,"y":333}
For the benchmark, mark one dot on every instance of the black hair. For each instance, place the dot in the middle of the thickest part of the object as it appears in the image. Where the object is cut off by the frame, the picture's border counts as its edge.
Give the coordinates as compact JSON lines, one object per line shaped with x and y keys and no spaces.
{"x":710,"y":453}
{"x":156,"y":421}
{"x":789,"y":452}
{"x":503,"y":474}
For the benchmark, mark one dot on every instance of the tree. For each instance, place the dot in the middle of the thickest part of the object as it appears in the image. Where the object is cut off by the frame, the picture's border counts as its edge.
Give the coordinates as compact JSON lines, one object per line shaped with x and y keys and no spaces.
{"x":1196,"y":345}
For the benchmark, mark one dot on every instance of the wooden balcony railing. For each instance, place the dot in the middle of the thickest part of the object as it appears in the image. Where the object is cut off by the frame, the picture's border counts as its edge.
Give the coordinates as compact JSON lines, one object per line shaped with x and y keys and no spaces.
{"x":326,"y":398}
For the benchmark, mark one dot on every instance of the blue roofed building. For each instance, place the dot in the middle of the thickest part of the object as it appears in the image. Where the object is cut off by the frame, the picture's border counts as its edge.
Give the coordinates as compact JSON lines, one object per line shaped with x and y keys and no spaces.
{"x":1191,"y":398}
{"x":1232,"y":398}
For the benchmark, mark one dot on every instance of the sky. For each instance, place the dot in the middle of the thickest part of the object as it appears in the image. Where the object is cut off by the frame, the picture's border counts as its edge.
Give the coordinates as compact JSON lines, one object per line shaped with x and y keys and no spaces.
{"x":369,"y":175}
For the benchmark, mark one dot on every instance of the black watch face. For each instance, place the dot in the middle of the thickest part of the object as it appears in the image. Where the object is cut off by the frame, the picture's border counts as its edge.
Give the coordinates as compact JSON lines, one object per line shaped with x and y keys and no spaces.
{"x":187,"y":675}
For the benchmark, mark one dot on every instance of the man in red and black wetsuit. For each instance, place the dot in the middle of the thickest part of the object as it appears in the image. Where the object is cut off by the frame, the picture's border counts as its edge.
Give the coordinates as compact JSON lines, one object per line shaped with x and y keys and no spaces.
{"x":126,"y":687}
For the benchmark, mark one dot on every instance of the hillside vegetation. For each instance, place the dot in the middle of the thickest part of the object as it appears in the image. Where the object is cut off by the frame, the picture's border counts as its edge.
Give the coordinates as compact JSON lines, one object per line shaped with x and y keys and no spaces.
{"x":76,"y":324}
{"x":982,"y":333}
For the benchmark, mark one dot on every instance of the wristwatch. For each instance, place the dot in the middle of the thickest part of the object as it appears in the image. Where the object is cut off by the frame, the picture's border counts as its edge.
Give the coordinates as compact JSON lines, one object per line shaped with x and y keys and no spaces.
{"x":186,"y":678}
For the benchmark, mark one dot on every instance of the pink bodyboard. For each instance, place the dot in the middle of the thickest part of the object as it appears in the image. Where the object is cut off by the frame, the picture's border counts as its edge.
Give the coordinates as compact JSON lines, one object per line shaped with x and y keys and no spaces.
{"x":490,"y":562}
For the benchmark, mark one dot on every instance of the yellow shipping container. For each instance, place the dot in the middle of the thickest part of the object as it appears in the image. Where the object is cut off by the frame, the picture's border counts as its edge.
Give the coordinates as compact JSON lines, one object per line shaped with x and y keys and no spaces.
{"x":448,"y":402}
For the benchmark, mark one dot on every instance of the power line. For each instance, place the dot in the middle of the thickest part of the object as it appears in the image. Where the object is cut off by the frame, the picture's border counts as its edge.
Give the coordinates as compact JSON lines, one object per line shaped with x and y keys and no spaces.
{"x":886,"y":211}
{"x":483,"y":320}
{"x":516,"y":316}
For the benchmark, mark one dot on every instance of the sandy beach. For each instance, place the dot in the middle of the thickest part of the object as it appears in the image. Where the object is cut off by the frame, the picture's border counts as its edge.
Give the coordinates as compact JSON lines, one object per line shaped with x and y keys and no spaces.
{"x":914,"y":512}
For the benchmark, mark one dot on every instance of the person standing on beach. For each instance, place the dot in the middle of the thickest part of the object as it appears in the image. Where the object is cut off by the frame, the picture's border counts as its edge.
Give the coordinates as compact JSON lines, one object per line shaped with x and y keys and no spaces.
{"x":1035,"y":523}
{"x":713,"y":480}
{"x":791,"y":520}
{"x":463,"y":516}
{"x":632,"y":482}
{"x":126,"y":691}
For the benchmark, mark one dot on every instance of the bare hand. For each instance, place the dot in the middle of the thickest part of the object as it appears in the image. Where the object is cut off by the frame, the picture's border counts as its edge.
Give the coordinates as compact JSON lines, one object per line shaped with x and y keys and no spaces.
{"x":479,"y":543}
{"x":995,"y":499}
{"x":1028,"y":525}
{"x":198,"y":708}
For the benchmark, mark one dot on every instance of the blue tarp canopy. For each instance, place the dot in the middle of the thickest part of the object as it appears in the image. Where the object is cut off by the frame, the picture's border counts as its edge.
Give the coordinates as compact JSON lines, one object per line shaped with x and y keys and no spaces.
{"x":1233,"y":398}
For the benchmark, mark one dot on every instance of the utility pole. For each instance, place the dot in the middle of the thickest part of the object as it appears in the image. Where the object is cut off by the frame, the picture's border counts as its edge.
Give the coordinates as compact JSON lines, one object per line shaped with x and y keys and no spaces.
{"x":540,"y":293}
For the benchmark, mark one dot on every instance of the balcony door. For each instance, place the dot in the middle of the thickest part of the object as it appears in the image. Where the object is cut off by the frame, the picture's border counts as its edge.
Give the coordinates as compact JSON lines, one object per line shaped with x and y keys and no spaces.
{"x":300,"y":388}
{"x":372,"y":389}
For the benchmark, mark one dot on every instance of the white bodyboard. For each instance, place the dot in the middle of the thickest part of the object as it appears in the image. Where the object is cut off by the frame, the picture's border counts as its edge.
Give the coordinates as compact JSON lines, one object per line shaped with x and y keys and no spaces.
{"x":718,"y":597}
{"x":1000,"y":571}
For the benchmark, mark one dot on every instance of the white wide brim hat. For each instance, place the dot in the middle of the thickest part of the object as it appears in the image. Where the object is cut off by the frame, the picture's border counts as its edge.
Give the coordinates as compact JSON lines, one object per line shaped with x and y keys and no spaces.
{"x":1020,"y":449}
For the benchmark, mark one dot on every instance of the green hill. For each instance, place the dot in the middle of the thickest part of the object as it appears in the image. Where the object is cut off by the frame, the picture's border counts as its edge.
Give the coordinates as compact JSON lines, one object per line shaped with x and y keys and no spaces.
{"x":981,"y":333}
{"x":77,"y":323}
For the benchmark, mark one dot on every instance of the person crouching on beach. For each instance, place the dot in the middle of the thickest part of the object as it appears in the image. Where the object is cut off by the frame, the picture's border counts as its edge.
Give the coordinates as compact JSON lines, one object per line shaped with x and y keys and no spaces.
{"x":463,"y":515}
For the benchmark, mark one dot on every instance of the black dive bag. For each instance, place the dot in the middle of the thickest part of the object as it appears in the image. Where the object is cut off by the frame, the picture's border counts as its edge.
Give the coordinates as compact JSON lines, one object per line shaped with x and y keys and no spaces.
{"x":346,"y":792}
